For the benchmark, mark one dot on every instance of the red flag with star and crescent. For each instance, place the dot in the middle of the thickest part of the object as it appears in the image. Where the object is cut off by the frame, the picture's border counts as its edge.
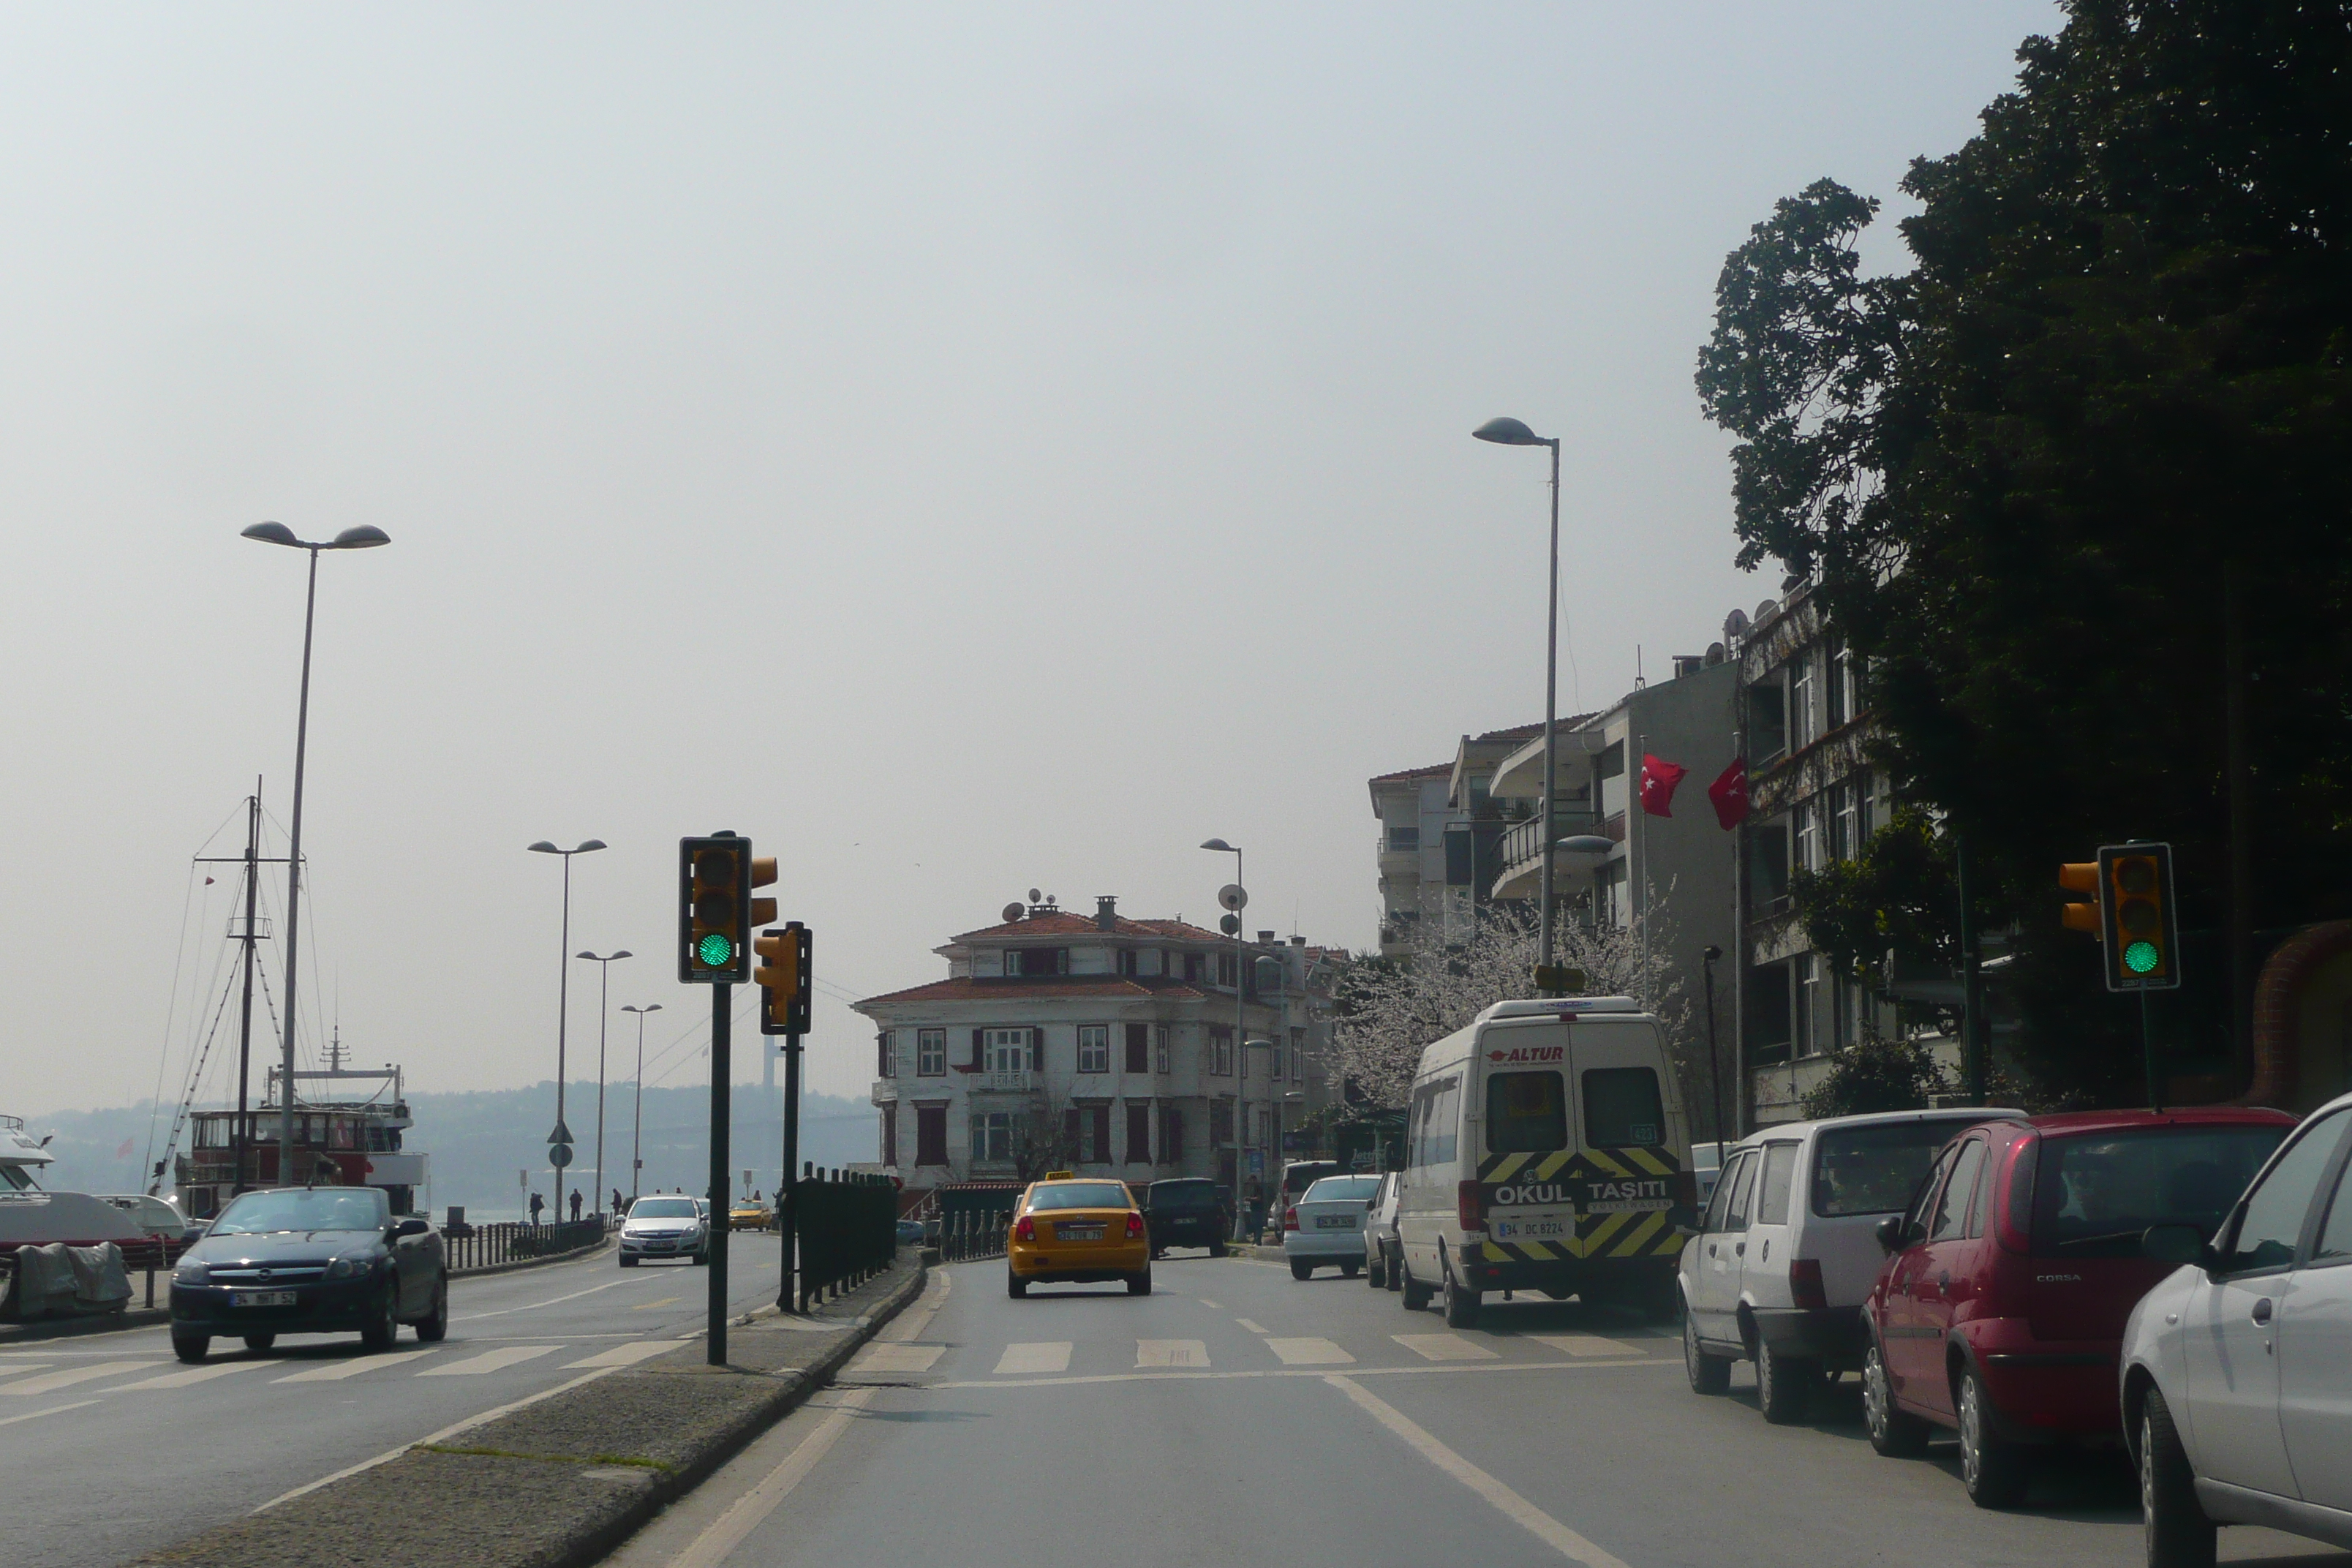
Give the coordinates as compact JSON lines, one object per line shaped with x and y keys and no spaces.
{"x":1729,"y":794}
{"x":1659,"y":778}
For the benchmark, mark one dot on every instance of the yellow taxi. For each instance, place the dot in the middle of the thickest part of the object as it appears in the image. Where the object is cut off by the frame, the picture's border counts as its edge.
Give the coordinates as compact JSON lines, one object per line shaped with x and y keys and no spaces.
{"x":748,"y":1213}
{"x":1082,"y":1230}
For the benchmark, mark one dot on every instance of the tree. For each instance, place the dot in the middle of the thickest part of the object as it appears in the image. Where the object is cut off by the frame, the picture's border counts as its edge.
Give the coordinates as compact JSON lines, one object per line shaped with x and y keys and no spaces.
{"x":1877,"y":1073}
{"x":2031,"y":476}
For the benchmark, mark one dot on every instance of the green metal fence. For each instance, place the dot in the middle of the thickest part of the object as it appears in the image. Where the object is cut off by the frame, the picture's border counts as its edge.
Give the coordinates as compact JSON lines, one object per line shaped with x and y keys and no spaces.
{"x":848,"y":1226}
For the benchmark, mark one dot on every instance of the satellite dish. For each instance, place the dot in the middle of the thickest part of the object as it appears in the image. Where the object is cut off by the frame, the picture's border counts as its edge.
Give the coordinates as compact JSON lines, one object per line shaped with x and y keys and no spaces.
{"x":1233,"y":896}
{"x":1011,"y":912}
{"x":1716,"y":654}
{"x":1765,"y":610}
{"x":1230,"y":924}
{"x":1034,"y":895}
{"x":1735,"y":625}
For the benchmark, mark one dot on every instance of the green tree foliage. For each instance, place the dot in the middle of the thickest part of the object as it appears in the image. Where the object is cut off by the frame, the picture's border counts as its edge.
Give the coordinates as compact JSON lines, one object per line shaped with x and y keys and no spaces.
{"x":2115,"y":383}
{"x":1876,"y":1073}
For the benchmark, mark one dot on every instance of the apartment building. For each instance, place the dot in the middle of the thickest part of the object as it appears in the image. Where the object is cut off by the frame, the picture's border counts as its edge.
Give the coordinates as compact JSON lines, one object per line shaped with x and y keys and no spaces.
{"x":1103,"y":1045}
{"x":1440,"y":831}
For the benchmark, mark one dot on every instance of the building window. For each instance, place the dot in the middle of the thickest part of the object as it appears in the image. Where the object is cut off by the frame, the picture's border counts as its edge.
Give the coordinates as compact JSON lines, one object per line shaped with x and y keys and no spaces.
{"x":1221,"y":1123}
{"x":1160,"y":1049}
{"x":890,"y":1135}
{"x":1298,"y":1054}
{"x":1803,"y":716}
{"x":992,"y":1136}
{"x":1404,"y":835}
{"x":1807,"y":969}
{"x":1139,"y":1047}
{"x":1768,"y":866}
{"x":1094,"y":1134}
{"x":930,"y":1052}
{"x":1225,"y":969}
{"x":1037,"y":960}
{"x":931,"y":1135}
{"x":1768,"y":722}
{"x":1129,"y":961}
{"x":1807,"y":820}
{"x":1259,"y":1126}
{"x":1139,"y":1134}
{"x":1846,"y":818}
{"x":1221,"y":1051}
{"x":1769,"y":1020}
{"x":1008,"y":1050}
{"x":1093,"y":1047}
{"x":886,"y":1058}
{"x":1172,"y":1135}
{"x":1834,"y":696}
{"x":1274,"y":1060}
{"x":1192,"y":967}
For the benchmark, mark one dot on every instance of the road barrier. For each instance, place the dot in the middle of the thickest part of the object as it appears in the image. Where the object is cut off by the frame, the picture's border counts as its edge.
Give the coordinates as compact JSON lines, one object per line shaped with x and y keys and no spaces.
{"x":967,"y":1233}
{"x":848,"y":1230}
{"x":491,"y":1245}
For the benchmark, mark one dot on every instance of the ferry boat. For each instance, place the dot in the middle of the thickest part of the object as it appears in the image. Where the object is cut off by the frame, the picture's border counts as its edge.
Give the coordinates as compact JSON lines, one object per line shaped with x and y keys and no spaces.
{"x":346,"y":1134}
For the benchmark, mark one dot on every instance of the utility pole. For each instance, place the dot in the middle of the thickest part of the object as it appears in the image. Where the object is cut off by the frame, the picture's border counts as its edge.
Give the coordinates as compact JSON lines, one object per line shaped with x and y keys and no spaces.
{"x":722,"y":1085}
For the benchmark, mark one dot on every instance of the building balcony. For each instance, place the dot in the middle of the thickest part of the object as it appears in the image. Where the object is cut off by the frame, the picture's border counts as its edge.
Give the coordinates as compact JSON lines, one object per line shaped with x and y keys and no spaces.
{"x":1520,"y":854}
{"x":1015,"y":1082}
{"x":886,"y":1091}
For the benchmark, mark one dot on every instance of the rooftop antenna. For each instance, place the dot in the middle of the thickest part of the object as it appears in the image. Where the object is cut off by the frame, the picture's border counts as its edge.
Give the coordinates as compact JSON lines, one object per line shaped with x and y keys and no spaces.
{"x":1638,"y":681}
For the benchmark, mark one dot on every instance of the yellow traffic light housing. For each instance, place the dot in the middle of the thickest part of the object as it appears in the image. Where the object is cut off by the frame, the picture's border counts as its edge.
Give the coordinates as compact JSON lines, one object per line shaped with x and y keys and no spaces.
{"x":2142,"y":930}
{"x":763,"y":875}
{"x":2082,"y":877}
{"x":714,"y":909}
{"x":786,"y":984}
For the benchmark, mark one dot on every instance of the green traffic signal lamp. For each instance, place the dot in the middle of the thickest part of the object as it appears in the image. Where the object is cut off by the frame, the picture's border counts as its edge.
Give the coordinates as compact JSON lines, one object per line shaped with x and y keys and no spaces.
{"x":2142,"y":957}
{"x":714,"y":950}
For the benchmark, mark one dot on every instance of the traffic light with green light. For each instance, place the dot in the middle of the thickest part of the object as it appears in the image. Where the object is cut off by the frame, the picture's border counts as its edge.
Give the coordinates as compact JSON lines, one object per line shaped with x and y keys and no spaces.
{"x":2139,"y":923}
{"x":786,"y":982}
{"x":714,"y":909}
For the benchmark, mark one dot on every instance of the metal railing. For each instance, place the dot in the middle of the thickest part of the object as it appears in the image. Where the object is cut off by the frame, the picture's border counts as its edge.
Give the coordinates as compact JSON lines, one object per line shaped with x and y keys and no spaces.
{"x":846,"y":1224}
{"x":1016,"y":1081}
{"x":968,"y":1233}
{"x":488,"y":1245}
{"x":1525,"y":840}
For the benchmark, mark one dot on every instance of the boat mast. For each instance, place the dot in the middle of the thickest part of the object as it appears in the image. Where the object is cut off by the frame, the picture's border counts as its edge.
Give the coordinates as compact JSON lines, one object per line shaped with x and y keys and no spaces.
{"x":244,"y":1028}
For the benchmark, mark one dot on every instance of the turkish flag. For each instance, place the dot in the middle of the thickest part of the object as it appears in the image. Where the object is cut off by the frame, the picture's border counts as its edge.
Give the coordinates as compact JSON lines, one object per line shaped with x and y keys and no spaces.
{"x":1729,"y":794}
{"x":123,"y":1153}
{"x":1659,"y":778}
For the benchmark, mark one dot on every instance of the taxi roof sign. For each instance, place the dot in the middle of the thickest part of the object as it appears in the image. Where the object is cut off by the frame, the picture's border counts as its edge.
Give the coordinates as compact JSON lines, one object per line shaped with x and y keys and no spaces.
{"x":1059,"y":1176}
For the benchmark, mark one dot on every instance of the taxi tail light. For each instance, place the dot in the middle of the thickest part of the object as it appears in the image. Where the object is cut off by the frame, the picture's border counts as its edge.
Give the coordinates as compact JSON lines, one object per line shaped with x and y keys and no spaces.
{"x":1805,"y":1287}
{"x":1470,"y":1205}
{"x":1290,"y":1219}
{"x":2013,"y":1219}
{"x":1024,"y":1229}
{"x":1134,"y":1224}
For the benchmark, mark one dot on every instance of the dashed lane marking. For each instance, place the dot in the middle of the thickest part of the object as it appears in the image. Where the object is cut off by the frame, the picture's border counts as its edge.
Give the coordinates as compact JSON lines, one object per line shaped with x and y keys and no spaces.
{"x":1202,"y":1375}
{"x":1443,"y":1347}
{"x":551,"y":1300}
{"x":49,"y":1380}
{"x":1047,"y":1355}
{"x":1170,"y":1352}
{"x":351,"y":1366}
{"x":1214,"y":1306}
{"x":649,"y":1305}
{"x":489,"y":1360}
{"x":894,"y":1357}
{"x":1585,"y":1344}
{"x":623,"y":1355}
{"x":1253,"y":1327}
{"x":193,"y":1375}
{"x":52,"y":1410}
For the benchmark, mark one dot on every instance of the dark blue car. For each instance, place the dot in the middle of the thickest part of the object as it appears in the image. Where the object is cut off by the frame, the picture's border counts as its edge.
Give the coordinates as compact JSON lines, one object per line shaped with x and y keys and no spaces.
{"x":309,"y":1261}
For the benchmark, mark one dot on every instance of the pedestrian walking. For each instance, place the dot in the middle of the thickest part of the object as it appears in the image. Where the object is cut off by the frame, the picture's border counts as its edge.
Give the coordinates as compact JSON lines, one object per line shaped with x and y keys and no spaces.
{"x":537,"y":1203}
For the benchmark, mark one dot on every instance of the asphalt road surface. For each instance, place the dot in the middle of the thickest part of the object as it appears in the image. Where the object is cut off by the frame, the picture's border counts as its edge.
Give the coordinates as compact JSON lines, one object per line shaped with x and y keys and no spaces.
{"x":110,"y":1447}
{"x":1239,"y":1416}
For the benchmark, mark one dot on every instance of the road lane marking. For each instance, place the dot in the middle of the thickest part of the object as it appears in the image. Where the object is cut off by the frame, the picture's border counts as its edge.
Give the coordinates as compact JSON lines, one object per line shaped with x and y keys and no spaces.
{"x":489,"y":1360}
{"x":623,"y":1355}
{"x":193,"y":1375}
{"x":1443,"y":1347}
{"x":48,"y":1381}
{"x":1218,"y":1306}
{"x":1481,"y":1366}
{"x":716,"y":1544}
{"x":351,"y":1366}
{"x":52,"y":1410}
{"x":896,"y":1356}
{"x":1046,"y":1355}
{"x":1509,"y":1503}
{"x":551,"y":1301}
{"x":26,"y":1367}
{"x":1309,"y":1352}
{"x":1253,"y":1327}
{"x":649,"y":1305}
{"x":910,"y":1323}
{"x":1584,"y":1344}
{"x":1170,"y":1352}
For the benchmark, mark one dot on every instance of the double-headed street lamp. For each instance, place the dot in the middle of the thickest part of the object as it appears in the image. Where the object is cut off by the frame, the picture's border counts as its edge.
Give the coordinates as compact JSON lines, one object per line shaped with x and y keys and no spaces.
{"x":562,"y":1134}
{"x":1510,"y":432}
{"x":637,"y":1110}
{"x":364,"y":537}
{"x":603,"y":1011}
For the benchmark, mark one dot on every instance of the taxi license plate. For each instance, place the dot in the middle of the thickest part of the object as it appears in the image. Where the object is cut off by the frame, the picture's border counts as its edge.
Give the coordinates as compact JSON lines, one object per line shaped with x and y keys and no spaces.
{"x":263,"y":1298}
{"x":1548,"y":1227}
{"x":1335,"y":1222}
{"x":1077,"y":1233}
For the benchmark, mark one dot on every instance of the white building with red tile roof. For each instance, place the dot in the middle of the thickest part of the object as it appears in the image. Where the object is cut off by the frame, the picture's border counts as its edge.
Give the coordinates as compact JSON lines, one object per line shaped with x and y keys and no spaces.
{"x":1102,"y":1045}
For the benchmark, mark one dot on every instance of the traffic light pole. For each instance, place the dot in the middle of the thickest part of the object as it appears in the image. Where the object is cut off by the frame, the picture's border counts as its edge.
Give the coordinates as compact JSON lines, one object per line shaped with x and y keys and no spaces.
{"x":2147,"y":1054}
{"x":788,"y":1216}
{"x":721,"y":1101}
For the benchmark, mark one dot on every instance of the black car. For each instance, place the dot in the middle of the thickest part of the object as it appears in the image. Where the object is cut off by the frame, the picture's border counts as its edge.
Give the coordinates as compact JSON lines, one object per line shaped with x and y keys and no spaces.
{"x":309,"y":1261}
{"x":1186,"y":1213}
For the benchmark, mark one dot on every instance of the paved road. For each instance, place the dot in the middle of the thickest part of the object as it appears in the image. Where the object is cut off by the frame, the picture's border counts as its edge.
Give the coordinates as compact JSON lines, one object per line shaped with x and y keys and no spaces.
{"x":1239,"y":1416}
{"x":109,"y":1447}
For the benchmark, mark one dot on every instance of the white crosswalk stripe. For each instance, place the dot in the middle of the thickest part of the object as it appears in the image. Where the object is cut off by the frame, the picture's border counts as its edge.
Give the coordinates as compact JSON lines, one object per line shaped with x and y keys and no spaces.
{"x":1170,"y":1352}
{"x":349,"y":1366}
{"x":1585,"y":1344}
{"x":73,"y":1375}
{"x":193,"y":1374}
{"x":624,"y":1356}
{"x":896,"y":1356}
{"x":1308,"y":1352}
{"x":1443,"y":1347}
{"x":490,"y":1361}
{"x":1046,"y":1355}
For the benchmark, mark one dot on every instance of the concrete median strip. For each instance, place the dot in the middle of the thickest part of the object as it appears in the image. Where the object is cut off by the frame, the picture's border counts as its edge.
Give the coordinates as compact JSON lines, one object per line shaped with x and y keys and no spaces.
{"x":561,"y":1478}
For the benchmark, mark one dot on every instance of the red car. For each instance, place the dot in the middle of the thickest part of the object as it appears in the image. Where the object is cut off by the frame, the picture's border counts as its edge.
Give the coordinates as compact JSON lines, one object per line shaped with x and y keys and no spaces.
{"x":2000,"y":1309}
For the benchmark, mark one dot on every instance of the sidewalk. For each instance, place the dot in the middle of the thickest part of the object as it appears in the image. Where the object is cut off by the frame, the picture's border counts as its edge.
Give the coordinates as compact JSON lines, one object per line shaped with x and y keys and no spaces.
{"x":561,"y":1478}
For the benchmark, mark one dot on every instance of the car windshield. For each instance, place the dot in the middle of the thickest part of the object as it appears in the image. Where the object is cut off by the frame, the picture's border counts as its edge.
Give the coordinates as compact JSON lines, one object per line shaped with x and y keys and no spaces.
{"x":1343,"y":1189}
{"x":338,"y":1208}
{"x":664,"y":1208}
{"x":1176,"y":1198}
{"x":2094,"y":1194}
{"x":1080,"y":1196}
{"x":1875,"y":1168}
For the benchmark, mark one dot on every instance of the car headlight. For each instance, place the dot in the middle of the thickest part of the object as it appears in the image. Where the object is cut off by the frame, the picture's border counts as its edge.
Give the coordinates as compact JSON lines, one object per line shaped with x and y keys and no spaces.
{"x":191,"y":1272}
{"x":354,"y":1266}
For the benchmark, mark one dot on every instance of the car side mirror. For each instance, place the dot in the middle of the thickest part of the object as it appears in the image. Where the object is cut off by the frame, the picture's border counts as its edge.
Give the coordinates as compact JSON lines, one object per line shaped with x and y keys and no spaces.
{"x":409,"y":1227}
{"x":1890,"y":1232}
{"x":2176,"y":1244}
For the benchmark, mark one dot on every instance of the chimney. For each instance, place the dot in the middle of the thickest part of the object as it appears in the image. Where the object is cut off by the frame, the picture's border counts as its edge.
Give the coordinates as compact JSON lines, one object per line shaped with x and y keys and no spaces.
{"x":1298,"y":942}
{"x":1266,"y":936}
{"x":1106,"y":912}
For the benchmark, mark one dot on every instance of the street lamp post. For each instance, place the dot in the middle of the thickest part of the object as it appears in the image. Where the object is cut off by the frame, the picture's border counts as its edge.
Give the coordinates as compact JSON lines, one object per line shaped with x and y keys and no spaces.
{"x":604,"y":1011}
{"x":562,"y":1134}
{"x":1241,"y":1032}
{"x":638,"y":1107}
{"x":364,"y":537}
{"x":1509,"y":432}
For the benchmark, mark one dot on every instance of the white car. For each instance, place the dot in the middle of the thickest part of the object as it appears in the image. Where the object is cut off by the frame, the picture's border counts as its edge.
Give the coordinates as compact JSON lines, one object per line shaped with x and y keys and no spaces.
{"x":2237,"y":1370}
{"x":1379,"y":1234}
{"x":1325,"y":1228}
{"x":665,"y":1227}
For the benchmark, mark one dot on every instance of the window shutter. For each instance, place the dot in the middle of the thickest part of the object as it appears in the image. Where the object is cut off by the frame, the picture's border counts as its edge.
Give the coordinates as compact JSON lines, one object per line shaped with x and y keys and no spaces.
{"x":1102,"y":1134}
{"x":1139,"y":1135}
{"x":1036,"y":1050}
{"x":1139,"y":1047}
{"x":979,"y":1044}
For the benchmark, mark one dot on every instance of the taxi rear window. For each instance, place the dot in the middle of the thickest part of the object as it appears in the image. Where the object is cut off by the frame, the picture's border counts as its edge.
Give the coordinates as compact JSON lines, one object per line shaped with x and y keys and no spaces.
{"x":1527,"y":1113}
{"x":1081,"y":1195}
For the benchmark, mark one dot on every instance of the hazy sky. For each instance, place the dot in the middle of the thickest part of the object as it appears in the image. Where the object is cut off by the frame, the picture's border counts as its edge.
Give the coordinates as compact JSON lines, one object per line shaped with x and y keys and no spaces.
{"x":966,"y":449}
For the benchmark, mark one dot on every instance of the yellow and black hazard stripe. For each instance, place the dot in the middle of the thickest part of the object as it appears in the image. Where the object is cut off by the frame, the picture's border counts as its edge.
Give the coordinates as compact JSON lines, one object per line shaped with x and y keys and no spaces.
{"x":1647,"y":1233}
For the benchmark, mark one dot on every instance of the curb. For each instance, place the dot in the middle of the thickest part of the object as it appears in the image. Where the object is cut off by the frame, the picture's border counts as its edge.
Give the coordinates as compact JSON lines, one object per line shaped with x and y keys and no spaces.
{"x":96,"y":1323}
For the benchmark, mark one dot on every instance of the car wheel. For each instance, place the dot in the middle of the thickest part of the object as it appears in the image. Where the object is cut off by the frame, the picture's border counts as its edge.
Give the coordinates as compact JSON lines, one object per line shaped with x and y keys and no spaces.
{"x":1217,"y":1248}
{"x":702,"y":1259}
{"x":1784,"y":1385}
{"x":1992,"y":1467}
{"x":1416,"y":1294}
{"x":434,"y":1326}
{"x":2178,"y":1532}
{"x":1708,"y":1373}
{"x":191,"y":1347}
{"x":1139,"y":1284}
{"x":1461,"y":1304}
{"x":1300,"y":1269}
{"x":1376,"y":1269}
{"x":383,"y":1325}
{"x":1014,"y":1286}
{"x":259,"y":1341}
{"x":1898,"y":1433}
{"x":1393,"y":1269}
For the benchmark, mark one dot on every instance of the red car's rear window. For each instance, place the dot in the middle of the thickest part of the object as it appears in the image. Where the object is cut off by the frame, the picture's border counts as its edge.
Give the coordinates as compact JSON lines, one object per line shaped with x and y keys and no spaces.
{"x":2094,"y":1193}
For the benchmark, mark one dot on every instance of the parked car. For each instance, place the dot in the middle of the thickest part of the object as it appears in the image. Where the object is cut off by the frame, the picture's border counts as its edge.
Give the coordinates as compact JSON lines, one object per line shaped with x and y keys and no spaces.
{"x":1999,"y":1310}
{"x":910,"y":1233}
{"x":1296,"y":1178}
{"x":1787,"y":1248}
{"x":1184,"y":1211}
{"x":309,"y":1261}
{"x":1379,"y":1234}
{"x":2236,"y":1375}
{"x":1325,"y":1227}
{"x":665,"y":1227}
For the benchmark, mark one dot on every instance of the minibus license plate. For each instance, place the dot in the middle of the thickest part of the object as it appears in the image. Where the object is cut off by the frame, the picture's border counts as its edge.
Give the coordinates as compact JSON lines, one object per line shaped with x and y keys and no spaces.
{"x":1538,"y":1227}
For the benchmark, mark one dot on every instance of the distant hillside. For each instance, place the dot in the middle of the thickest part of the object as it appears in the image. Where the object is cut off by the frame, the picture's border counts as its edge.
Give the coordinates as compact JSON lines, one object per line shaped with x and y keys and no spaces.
{"x":480,"y":1140}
